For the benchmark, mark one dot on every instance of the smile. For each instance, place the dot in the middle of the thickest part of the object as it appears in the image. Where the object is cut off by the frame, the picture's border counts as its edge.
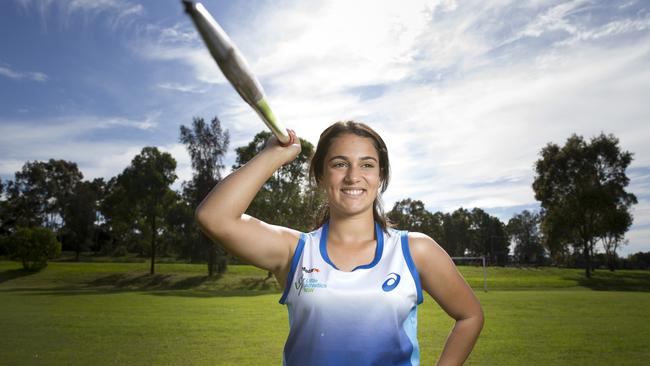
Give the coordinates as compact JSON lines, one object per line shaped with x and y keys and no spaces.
{"x":355,"y":192}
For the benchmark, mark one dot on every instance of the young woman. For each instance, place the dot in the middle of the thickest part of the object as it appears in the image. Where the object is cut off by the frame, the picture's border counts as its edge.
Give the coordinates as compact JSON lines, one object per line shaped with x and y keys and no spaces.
{"x":353,"y":285}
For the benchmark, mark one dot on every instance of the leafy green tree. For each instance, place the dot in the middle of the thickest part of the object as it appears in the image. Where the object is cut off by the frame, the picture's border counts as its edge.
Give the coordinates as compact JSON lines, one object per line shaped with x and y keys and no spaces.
{"x":120,"y":220}
{"x":182,"y":235}
{"x":618,"y":221}
{"x":39,"y":192}
{"x":27,"y":197}
{"x":488,"y":237}
{"x":638,"y":260}
{"x":33,"y":246}
{"x":81,"y":212}
{"x":456,"y":227}
{"x":287,"y":198}
{"x":578,"y":186}
{"x":523,"y":230}
{"x":411,"y":215}
{"x":146,"y":186}
{"x":207,"y":145}
{"x":5,"y":214}
{"x":62,"y":179}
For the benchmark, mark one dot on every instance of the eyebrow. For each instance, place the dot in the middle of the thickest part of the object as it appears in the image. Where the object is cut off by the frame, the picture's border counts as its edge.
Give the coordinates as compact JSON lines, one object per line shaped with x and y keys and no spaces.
{"x":346,"y":158}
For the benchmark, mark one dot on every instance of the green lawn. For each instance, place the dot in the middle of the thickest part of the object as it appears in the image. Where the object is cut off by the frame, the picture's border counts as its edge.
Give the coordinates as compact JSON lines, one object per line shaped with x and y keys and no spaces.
{"x":114,"y":313}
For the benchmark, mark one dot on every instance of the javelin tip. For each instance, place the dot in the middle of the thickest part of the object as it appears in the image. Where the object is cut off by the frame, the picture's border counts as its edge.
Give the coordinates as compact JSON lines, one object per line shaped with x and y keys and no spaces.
{"x":189,"y":5}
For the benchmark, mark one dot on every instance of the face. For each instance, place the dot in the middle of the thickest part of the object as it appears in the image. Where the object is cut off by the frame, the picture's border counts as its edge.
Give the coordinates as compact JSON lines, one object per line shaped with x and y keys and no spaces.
{"x":351,"y":175}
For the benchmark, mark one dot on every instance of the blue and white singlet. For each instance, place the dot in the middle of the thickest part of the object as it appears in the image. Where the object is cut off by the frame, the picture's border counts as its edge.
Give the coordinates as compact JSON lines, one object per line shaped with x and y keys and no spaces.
{"x":364,"y":317}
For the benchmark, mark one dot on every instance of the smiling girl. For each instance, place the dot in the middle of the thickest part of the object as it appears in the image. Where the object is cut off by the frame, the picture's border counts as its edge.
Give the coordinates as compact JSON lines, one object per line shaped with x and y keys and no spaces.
{"x":353,"y":285}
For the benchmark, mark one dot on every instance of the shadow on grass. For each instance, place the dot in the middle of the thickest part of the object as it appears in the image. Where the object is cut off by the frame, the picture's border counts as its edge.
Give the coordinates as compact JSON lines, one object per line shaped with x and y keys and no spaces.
{"x":159,"y":285}
{"x":620,"y":280}
{"x":12,"y":274}
{"x":147,"y":282}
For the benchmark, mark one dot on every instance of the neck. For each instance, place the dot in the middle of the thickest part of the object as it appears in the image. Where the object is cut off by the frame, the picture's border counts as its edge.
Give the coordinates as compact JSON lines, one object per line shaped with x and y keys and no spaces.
{"x":352,"y":229}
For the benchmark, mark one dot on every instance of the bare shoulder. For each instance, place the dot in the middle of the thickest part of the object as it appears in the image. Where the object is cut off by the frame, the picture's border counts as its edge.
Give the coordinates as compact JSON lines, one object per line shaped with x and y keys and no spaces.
{"x":426,"y":252}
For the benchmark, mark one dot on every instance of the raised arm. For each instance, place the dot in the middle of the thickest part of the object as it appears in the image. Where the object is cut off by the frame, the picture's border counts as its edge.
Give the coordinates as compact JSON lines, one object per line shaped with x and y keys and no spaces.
{"x":221,"y":214}
{"x":444,"y":283}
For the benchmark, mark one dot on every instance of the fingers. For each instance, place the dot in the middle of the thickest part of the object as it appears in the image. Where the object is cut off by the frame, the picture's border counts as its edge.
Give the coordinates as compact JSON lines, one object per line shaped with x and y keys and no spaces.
{"x":293,"y":138}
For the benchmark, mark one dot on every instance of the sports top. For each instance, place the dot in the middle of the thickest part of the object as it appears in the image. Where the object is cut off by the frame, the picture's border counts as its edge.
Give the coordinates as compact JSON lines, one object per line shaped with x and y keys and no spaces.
{"x":367,"y":316}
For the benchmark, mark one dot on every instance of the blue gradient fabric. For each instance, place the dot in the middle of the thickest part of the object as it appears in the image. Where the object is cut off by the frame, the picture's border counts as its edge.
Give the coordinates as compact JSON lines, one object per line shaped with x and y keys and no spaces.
{"x":367,"y":316}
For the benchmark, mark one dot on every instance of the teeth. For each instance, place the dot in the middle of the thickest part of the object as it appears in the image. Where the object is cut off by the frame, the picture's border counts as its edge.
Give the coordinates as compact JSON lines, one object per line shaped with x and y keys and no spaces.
{"x":353,"y":192}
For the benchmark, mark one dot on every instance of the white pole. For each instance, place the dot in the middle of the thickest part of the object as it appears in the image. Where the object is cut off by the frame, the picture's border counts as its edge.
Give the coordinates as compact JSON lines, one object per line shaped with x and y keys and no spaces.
{"x":484,"y":275}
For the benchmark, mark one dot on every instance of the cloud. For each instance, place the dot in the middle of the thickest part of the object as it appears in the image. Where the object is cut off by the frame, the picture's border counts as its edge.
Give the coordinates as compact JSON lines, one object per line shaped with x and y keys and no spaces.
{"x":637,"y":241}
{"x":465,"y":94}
{"x":30,"y":75}
{"x":178,"y":33}
{"x":71,"y":138}
{"x":183,"y":88}
{"x":114,"y":13}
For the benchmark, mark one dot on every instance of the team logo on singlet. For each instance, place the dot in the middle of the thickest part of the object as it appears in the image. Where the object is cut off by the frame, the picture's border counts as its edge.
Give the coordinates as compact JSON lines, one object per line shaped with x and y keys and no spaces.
{"x":304,"y":269}
{"x":308,"y":285}
{"x":391,"y":282}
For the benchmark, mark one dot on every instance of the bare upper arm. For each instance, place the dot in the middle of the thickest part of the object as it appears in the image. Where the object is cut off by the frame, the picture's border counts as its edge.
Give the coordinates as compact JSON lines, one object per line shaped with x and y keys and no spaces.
{"x":440,"y":278}
{"x":263,"y":245}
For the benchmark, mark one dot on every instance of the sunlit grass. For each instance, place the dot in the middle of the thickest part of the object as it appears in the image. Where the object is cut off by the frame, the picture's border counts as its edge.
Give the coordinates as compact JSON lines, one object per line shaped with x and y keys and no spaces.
{"x":116,"y":314}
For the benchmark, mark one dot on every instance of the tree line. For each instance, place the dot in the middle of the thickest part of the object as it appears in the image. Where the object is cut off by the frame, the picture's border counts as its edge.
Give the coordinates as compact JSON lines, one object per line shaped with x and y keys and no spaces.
{"x":580,"y":187}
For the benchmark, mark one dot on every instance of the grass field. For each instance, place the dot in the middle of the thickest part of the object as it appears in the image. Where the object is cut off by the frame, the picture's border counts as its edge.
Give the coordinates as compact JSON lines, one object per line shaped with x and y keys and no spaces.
{"x":116,"y":314}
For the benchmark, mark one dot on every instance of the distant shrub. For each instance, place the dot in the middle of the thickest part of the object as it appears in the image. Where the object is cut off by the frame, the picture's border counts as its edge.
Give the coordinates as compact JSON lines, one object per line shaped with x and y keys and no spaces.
{"x":33,"y":246}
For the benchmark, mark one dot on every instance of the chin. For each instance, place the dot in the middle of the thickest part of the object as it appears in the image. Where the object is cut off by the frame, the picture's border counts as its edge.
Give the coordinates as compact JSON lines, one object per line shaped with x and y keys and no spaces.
{"x":353,"y":210}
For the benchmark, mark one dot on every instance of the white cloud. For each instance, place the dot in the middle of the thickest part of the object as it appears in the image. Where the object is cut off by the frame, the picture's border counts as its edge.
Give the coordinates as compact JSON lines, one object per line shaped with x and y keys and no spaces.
{"x":455,"y":115}
{"x":183,"y":88}
{"x":465,"y":94}
{"x":177,"y":33}
{"x":18,"y":75}
{"x":554,"y":19}
{"x":113,"y":12}
{"x":70,"y":139}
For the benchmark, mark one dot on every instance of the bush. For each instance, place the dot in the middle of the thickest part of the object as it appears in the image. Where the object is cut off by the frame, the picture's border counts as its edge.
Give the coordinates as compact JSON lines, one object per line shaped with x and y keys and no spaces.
{"x":33,"y":247}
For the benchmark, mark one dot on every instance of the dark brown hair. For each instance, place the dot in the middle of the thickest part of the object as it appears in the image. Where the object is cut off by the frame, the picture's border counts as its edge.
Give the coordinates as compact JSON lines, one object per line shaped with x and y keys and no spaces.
{"x":317,"y":165}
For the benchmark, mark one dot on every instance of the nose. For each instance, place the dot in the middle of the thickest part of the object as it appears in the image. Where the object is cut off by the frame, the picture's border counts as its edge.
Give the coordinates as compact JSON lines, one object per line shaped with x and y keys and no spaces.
{"x":352,"y":175}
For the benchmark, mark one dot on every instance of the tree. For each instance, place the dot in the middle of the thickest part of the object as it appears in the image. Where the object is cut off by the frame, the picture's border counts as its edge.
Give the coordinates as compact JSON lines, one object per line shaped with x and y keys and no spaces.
{"x":33,"y":246}
{"x":120,"y":219}
{"x":638,"y":260}
{"x":523,"y":230}
{"x":38,"y":194}
{"x":5,"y":214}
{"x":579,"y":185}
{"x":411,"y":215}
{"x":286,"y":198}
{"x":618,"y":221}
{"x":488,"y":237}
{"x":81,"y":214}
{"x":146,"y":184}
{"x":207,"y":145}
{"x":182,"y":234}
{"x":26,"y":198}
{"x":456,"y":227}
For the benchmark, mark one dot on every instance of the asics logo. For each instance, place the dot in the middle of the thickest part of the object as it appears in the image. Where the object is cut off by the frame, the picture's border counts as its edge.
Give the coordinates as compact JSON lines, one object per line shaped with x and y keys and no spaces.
{"x":304,"y":269}
{"x":391,"y":282}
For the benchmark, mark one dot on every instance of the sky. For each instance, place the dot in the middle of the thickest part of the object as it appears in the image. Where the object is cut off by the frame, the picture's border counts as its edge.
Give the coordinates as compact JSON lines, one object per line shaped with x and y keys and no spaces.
{"x":465,"y":93}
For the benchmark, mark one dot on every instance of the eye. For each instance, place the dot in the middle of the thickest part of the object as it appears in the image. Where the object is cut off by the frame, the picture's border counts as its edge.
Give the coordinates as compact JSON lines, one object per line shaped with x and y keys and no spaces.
{"x":368,"y":165}
{"x":339,"y":164}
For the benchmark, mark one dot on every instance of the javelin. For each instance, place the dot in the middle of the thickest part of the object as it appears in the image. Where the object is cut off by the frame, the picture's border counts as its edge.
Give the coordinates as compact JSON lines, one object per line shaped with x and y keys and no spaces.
{"x":234,"y":67}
